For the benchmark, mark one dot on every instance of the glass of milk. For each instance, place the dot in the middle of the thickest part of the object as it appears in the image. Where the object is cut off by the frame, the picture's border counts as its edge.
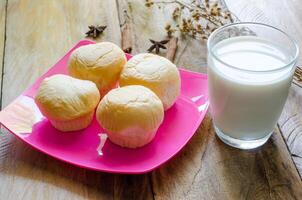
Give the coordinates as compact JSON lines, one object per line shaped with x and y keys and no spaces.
{"x":250,"y":70}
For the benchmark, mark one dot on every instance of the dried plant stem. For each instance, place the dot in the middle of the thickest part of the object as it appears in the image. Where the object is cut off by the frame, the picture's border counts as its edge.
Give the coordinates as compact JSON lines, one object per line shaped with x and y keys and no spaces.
{"x":298,"y":74}
{"x":172,"y":48}
{"x":181,"y":3}
{"x":298,"y":77}
{"x":196,"y":18}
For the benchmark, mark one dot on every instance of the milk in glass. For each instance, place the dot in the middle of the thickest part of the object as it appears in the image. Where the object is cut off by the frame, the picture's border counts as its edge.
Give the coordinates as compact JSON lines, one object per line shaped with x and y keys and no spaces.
{"x":249,"y":87}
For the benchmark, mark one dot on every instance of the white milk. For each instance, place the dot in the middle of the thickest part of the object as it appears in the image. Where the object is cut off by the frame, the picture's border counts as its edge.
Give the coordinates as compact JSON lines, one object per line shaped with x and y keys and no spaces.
{"x":246,"y":105}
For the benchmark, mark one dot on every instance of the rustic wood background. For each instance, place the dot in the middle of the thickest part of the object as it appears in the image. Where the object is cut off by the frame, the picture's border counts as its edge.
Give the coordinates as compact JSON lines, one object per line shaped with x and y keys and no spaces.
{"x":34,"y":34}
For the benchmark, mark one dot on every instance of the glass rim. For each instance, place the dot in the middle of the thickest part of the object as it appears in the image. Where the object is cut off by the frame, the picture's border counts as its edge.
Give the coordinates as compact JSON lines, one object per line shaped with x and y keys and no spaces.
{"x":291,"y":39}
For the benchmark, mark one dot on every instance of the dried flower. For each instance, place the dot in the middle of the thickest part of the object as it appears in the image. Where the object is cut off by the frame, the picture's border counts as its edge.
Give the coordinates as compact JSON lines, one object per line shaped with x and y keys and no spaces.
{"x":169,"y":30}
{"x":196,"y":19}
{"x":149,"y":3}
{"x":176,"y":13}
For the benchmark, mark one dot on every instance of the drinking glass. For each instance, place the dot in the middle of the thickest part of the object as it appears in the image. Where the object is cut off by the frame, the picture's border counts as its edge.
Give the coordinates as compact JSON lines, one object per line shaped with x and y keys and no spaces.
{"x":250,"y":70}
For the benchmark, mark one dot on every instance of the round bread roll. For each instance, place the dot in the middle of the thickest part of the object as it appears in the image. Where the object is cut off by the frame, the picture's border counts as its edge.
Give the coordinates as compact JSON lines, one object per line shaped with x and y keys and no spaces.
{"x":154,"y":72}
{"x":101,"y":63}
{"x":130,"y":115}
{"x":68,"y":103}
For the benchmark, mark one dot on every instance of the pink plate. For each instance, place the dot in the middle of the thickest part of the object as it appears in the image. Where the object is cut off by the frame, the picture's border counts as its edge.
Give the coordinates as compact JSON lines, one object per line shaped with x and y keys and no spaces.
{"x":23,"y":119}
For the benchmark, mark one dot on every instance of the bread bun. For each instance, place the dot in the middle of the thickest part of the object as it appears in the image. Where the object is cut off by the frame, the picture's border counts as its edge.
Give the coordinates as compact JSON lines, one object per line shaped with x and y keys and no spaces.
{"x":68,"y":103}
{"x":101,"y":63}
{"x":154,"y":72}
{"x":130,"y":115}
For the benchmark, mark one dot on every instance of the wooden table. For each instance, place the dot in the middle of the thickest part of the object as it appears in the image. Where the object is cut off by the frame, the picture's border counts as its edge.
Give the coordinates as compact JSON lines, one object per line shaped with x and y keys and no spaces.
{"x":34,"y":34}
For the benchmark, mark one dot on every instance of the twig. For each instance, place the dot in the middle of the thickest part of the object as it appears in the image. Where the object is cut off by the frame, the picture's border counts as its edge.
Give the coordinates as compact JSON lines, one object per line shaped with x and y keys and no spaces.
{"x":181,"y":3}
{"x":127,"y":39}
{"x":195,"y":19}
{"x":298,"y":77}
{"x":172,"y":48}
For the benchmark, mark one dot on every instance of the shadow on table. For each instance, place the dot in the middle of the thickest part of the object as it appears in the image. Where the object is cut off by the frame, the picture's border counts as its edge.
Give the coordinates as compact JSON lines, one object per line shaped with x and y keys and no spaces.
{"x":41,"y":171}
{"x":209,"y":169}
{"x":263,"y":173}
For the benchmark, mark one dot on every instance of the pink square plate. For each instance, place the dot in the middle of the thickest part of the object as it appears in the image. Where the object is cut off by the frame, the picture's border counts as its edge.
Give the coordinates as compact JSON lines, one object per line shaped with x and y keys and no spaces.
{"x":24,"y":120}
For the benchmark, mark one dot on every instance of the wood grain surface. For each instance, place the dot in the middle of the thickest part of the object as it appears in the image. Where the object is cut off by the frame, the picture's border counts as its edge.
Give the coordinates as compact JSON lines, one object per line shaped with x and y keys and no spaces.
{"x":150,"y":24}
{"x":2,"y":38}
{"x":285,"y":15}
{"x":34,"y":34}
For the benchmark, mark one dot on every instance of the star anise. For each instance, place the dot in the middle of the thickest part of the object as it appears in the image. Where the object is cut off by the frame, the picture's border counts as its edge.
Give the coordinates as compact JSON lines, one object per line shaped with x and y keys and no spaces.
{"x":157,"y":45}
{"x":95,"y":31}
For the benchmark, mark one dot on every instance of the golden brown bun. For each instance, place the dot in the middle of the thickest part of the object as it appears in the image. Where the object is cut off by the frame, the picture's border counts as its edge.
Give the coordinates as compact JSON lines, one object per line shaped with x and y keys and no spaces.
{"x":131,"y":115}
{"x":67,"y":102}
{"x":101,"y":63}
{"x":154,"y":72}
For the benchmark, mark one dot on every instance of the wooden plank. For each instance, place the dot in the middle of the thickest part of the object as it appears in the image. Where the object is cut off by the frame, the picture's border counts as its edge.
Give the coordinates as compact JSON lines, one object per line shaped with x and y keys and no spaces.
{"x":3,"y":143}
{"x":2,"y":38}
{"x":290,"y":124}
{"x":287,"y":16}
{"x":38,"y":34}
{"x":133,"y":187}
{"x":149,"y":23}
{"x":206,"y":168}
